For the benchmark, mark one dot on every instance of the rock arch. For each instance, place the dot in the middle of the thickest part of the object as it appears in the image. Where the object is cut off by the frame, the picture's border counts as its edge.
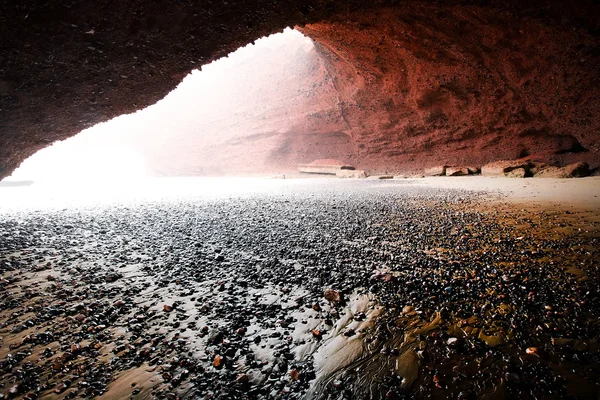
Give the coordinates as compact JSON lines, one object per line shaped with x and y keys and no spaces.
{"x":418,"y":81}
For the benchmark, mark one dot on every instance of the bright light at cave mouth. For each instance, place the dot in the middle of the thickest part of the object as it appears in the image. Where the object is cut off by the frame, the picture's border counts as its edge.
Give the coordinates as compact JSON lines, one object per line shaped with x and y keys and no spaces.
{"x":125,"y":151}
{"x":85,"y":158}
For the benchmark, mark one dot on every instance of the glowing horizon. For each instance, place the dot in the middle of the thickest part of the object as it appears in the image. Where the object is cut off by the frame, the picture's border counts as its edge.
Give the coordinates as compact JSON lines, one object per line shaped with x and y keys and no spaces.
{"x":118,"y":149}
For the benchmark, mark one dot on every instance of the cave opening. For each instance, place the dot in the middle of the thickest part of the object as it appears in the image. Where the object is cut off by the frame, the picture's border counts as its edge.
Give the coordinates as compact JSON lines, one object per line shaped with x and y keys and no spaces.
{"x":479,"y":280}
{"x":254,"y":113}
{"x":244,"y":114}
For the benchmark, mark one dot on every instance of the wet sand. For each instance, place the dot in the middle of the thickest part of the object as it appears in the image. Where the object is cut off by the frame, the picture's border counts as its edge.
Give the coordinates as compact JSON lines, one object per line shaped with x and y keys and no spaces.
{"x":322,"y":289}
{"x":582,"y":193}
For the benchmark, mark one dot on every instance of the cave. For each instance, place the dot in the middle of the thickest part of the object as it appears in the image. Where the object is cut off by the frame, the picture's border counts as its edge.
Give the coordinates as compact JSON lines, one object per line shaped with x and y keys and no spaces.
{"x":418,"y":83}
{"x":264,"y":109}
{"x":457,"y":258}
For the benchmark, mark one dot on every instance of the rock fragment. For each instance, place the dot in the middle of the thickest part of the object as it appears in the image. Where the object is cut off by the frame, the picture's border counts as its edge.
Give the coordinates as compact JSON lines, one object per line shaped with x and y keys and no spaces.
{"x":351,"y":174}
{"x":332,"y":295}
{"x":532,"y":351}
{"x":436,"y":171}
{"x":218,"y":361}
{"x":517,"y":173}
{"x":499,"y":168}
{"x":457,"y":171}
{"x":576,"y":170}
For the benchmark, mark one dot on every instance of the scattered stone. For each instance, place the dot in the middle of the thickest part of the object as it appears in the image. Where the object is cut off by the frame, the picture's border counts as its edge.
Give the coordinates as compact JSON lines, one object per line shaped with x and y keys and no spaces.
{"x":218,"y":362}
{"x":294,"y":374}
{"x":409,"y":310}
{"x":532,"y":351}
{"x":258,"y":311}
{"x":167,"y":308}
{"x":491,"y":340}
{"x":562,"y":341}
{"x":61,"y":387}
{"x":332,"y":295}
{"x":66,"y":356}
{"x":112,"y":277}
{"x":14,"y":390}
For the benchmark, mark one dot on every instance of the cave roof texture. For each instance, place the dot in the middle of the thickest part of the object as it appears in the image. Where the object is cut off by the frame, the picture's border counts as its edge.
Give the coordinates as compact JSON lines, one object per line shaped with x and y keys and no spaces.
{"x":418,"y":81}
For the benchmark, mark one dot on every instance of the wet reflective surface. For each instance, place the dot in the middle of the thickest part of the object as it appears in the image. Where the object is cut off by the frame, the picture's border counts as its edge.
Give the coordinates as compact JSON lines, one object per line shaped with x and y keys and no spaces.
{"x":326,"y":289}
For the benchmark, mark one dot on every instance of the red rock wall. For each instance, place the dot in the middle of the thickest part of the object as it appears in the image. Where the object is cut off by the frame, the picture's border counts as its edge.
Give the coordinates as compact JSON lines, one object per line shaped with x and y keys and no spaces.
{"x":421,"y":85}
{"x":395,"y":90}
{"x":423,"y":82}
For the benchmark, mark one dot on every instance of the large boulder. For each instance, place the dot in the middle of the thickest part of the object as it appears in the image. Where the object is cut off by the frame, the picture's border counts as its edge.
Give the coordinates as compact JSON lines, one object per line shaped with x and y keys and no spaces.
{"x":551,"y":172}
{"x":576,"y":170}
{"x":325,"y":166}
{"x":516,"y":173}
{"x":500,"y":168}
{"x":457,"y":171}
{"x":535,"y":167}
{"x":348,"y":173}
{"x":436,"y":171}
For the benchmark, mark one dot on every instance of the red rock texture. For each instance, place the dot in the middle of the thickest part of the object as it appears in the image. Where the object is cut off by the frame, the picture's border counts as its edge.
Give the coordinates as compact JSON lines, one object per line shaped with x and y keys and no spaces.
{"x":421,"y":85}
{"x":65,"y":66}
{"x":417,"y":82}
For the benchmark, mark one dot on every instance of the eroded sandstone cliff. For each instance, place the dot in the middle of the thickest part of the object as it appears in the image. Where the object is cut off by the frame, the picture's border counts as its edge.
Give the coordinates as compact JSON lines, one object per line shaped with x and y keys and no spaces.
{"x":418,"y":82}
{"x":421,"y":85}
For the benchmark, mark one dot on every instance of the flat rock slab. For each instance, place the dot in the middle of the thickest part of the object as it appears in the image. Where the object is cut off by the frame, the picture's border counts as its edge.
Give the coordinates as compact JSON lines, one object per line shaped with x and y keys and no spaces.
{"x":325,"y":166}
{"x":570,"y":171}
{"x":457,"y":171}
{"x":436,"y":171}
{"x":346,"y":173}
{"x":499,"y":168}
{"x":516,"y":173}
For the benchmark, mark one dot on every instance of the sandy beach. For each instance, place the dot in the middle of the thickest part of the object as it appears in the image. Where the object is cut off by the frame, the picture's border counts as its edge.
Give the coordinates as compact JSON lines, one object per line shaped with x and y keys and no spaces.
{"x":302,"y":288}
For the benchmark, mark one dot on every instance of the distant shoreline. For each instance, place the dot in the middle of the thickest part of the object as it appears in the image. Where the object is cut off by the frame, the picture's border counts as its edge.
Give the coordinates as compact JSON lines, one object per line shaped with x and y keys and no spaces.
{"x":16,"y":183}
